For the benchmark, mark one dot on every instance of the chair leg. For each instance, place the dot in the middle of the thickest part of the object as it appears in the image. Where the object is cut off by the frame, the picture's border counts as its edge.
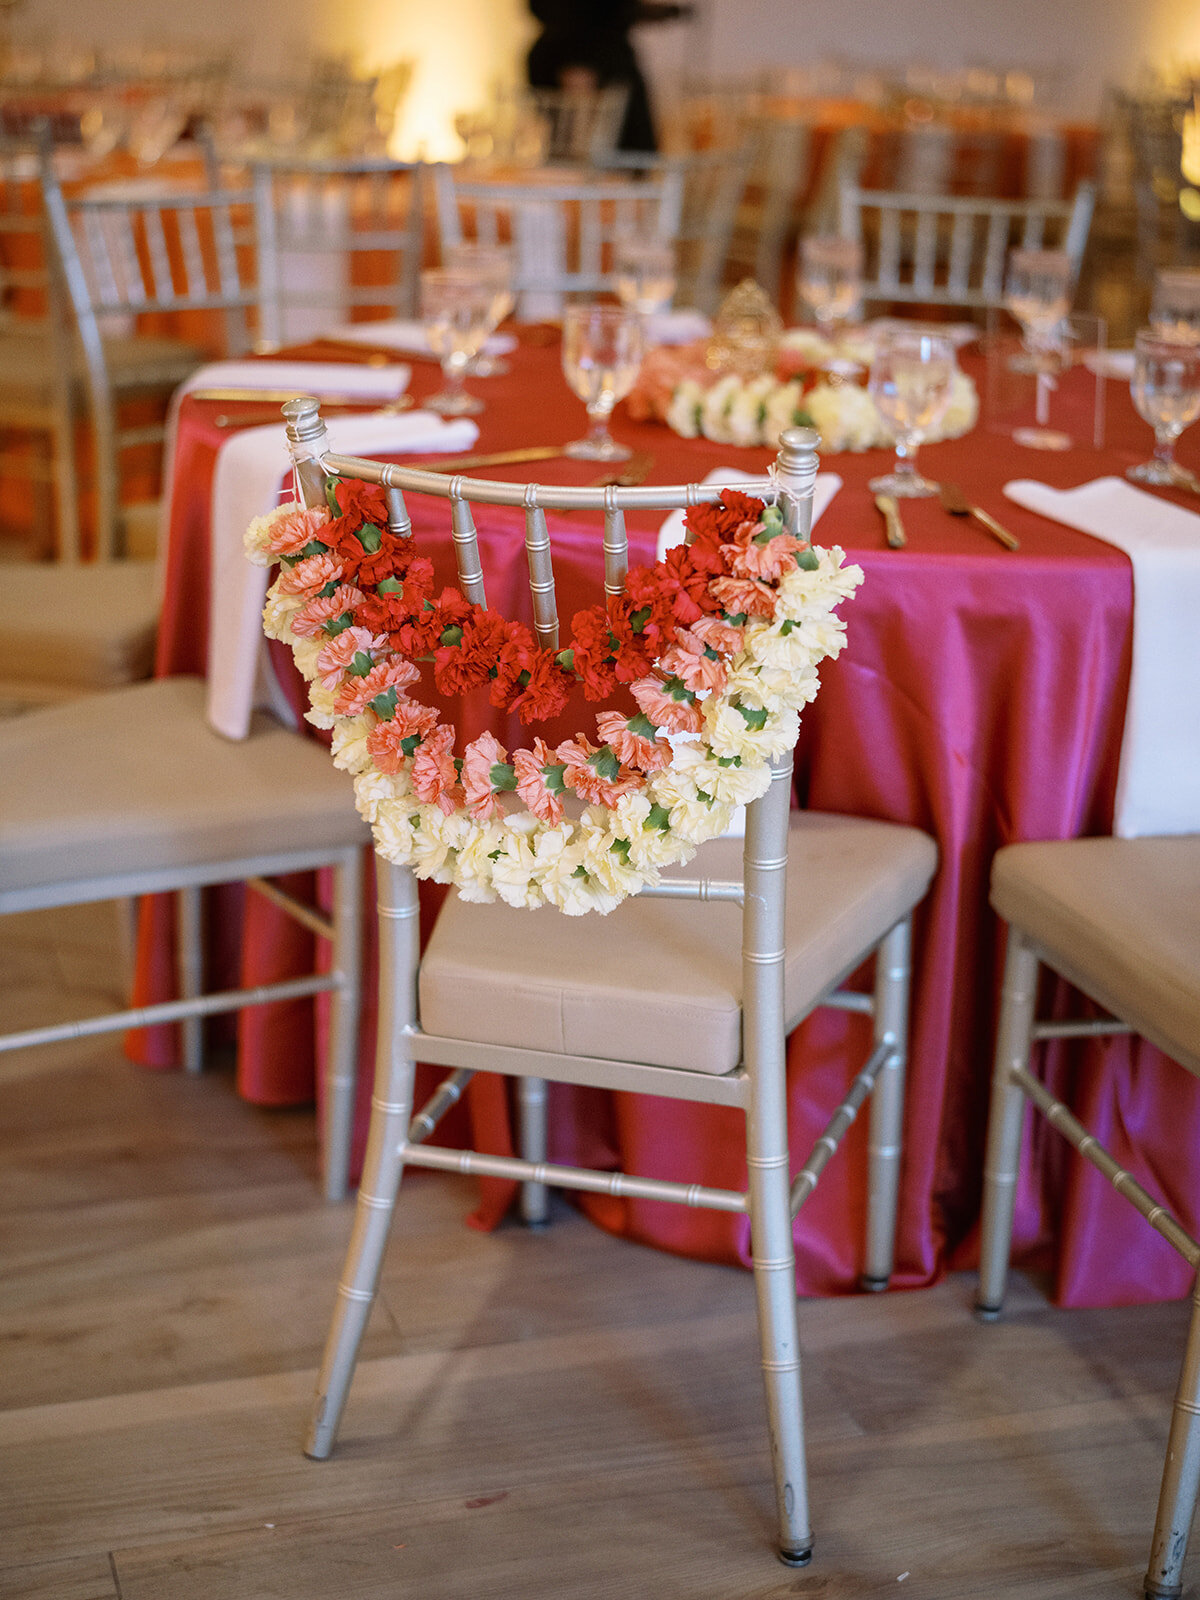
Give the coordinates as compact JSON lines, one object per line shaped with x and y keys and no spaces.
{"x":189,"y":962}
{"x":1181,"y":1474}
{"x":66,"y":486}
{"x":390,"y":1113}
{"x":1018,"y":998}
{"x":769,"y":1189}
{"x":893,"y":969}
{"x":341,"y":1070}
{"x":531,"y":1101}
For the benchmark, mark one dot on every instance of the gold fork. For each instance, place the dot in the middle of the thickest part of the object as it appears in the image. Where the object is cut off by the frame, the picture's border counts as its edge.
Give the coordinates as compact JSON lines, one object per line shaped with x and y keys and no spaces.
{"x":628,"y":475}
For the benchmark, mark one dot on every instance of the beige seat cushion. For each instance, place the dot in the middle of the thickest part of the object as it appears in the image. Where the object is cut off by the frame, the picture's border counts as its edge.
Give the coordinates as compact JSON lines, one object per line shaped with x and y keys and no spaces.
{"x":135,"y":780}
{"x":89,"y":627}
{"x":660,"y":981}
{"x":1121,"y":919}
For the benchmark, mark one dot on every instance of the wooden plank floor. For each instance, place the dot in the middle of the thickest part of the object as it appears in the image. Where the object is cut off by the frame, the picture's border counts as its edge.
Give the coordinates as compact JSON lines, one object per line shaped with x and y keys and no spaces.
{"x":560,"y":1416}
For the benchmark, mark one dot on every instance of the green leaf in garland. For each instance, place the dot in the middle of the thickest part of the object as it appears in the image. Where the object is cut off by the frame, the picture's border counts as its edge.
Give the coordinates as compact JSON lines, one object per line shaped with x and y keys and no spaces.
{"x":330,"y":588}
{"x":331,"y":488}
{"x":450,"y":636}
{"x":676,"y":689}
{"x":755,"y":720}
{"x":620,"y":847}
{"x":554,"y":778}
{"x":785,"y":627}
{"x":384,"y":705}
{"x":410,"y":744}
{"x":658,"y":817}
{"x":729,"y":761}
{"x":339,"y":624}
{"x":736,"y":619}
{"x":580,"y":872}
{"x":807,"y":560}
{"x":502,"y":776}
{"x":639,"y":618}
{"x":361,"y":664}
{"x":641,"y":726}
{"x":605,"y":764}
{"x":314,"y":547}
{"x":566,"y":660}
{"x":369,"y":537}
{"x":389,"y":586}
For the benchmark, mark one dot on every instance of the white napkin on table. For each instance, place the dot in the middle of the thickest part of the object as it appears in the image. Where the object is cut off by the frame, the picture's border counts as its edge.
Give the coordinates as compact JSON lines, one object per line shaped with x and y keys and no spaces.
{"x":1158,"y":780}
{"x":672,"y":530}
{"x":401,"y":335}
{"x":249,"y":470}
{"x":343,"y":378}
{"x":680,"y":325}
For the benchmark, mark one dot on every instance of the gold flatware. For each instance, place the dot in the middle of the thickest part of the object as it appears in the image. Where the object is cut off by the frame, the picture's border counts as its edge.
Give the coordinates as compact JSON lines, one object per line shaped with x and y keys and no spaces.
{"x":498,"y":458}
{"x":377,"y":355}
{"x":270,"y":412}
{"x":886,"y":503}
{"x":330,"y":397}
{"x":628,"y":475}
{"x":956,"y":503}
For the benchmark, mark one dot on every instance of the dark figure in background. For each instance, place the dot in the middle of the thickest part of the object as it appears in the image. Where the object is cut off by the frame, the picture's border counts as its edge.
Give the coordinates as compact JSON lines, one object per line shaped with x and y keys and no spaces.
{"x":585,"y":44}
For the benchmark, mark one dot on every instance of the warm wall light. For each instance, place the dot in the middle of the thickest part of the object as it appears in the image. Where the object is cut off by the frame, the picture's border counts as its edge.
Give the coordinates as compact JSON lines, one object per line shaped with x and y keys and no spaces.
{"x":459,"y":49}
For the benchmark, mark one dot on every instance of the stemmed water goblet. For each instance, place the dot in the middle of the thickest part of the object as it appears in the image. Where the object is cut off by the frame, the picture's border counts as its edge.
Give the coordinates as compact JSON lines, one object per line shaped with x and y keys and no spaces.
{"x":644,"y":275}
{"x":1175,"y":305}
{"x":601,"y":353}
{"x":495,"y":263}
{"x":456,"y":308}
{"x":1037,"y":291}
{"x":1166,"y":394}
{"x":912,"y":375}
{"x":829,"y":280}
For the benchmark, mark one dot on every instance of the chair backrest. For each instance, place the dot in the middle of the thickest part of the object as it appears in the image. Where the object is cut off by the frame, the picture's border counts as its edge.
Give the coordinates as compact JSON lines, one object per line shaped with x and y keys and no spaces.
{"x":945,"y":250}
{"x":151,"y":249}
{"x":790,"y":485}
{"x":30,"y":289}
{"x":711,"y":185}
{"x":562,"y":234}
{"x":582,"y":125}
{"x":1154,"y":128}
{"x":336,"y":237}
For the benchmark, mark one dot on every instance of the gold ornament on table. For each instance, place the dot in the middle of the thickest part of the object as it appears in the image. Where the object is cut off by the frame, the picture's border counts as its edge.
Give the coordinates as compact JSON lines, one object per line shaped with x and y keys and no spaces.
{"x":746,"y":332}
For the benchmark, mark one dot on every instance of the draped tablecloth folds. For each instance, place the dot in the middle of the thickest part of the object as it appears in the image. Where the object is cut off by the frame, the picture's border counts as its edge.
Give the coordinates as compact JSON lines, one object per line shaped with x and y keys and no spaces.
{"x":981,"y":697}
{"x":1158,"y":780}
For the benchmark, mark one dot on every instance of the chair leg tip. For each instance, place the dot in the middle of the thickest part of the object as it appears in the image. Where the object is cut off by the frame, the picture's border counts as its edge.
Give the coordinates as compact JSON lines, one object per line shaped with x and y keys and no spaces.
{"x":872,"y":1285}
{"x":1163,"y":1591}
{"x":795,"y":1555}
{"x":985,"y":1313}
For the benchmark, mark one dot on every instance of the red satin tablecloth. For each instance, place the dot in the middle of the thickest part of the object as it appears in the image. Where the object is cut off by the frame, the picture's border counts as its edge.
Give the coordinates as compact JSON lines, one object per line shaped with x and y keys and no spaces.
{"x":981,"y":696}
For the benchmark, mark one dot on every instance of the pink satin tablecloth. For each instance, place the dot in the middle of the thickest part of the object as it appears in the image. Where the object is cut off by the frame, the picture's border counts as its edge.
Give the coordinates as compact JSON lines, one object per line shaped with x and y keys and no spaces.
{"x":981,"y":697}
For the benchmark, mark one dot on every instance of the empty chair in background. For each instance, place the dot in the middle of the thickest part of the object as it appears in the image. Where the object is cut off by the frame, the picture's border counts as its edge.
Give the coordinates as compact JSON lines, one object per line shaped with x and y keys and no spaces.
{"x":339,"y":240}
{"x":947,"y":250}
{"x":562,"y":234}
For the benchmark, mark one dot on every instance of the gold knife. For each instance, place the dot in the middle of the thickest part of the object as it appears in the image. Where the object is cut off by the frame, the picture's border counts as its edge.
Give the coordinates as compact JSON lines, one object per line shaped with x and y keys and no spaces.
{"x":278,"y":396}
{"x":886,"y":504}
{"x":498,"y":458}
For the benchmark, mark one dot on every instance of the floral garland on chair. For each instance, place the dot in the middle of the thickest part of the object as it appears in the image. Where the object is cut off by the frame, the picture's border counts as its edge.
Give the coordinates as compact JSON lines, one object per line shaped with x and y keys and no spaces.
{"x":717,"y":644}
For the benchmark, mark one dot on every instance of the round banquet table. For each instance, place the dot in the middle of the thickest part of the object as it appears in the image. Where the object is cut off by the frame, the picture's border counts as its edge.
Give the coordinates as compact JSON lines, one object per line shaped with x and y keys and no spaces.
{"x":981,"y":696}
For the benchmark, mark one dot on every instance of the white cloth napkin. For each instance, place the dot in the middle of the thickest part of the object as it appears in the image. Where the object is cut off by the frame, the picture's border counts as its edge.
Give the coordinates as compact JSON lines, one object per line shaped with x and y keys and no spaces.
{"x":1158,"y":780}
{"x":405,"y":335}
{"x":343,"y":378}
{"x":672,"y":530}
{"x":246,"y":484}
{"x":680,"y":326}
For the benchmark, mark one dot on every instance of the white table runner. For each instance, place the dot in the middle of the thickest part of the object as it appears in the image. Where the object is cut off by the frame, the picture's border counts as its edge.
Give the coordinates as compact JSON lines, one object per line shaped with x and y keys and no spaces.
{"x":1158,"y":782}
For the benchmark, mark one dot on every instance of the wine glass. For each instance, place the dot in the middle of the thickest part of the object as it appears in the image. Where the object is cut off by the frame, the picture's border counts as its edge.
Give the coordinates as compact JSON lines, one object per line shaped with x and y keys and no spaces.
{"x":644,"y":274}
{"x":1175,"y":304}
{"x":912,"y":375}
{"x":1037,"y":291}
{"x":456,"y":308}
{"x":601,"y":352}
{"x":1166,"y":392}
{"x":829,"y":280}
{"x":495,"y":263}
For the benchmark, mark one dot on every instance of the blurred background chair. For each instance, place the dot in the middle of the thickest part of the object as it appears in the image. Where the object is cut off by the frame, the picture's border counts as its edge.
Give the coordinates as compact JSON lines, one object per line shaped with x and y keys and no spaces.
{"x":562,"y":234}
{"x":660,"y":996}
{"x":1120,"y":920}
{"x":134,"y":259}
{"x":943,"y":250}
{"x":131,"y":793}
{"x":337,"y":237}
